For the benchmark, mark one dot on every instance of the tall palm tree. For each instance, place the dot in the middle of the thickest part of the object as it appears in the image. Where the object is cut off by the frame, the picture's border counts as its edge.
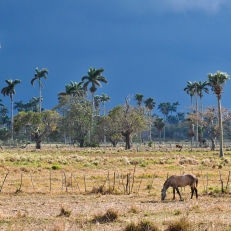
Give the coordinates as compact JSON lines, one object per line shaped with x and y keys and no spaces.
{"x":139,"y":99}
{"x":10,"y":91}
{"x":38,"y":75}
{"x":150,"y":104}
{"x":190,"y":89}
{"x":164,"y":108}
{"x":202,"y":87}
{"x":97,"y":104}
{"x":104,"y":98}
{"x":217,"y":82}
{"x":94,"y":78}
{"x":173,"y":107}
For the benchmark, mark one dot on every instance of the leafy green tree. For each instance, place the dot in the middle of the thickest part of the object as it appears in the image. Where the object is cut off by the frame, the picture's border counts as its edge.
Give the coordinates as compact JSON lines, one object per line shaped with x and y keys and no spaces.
{"x":77,"y":119}
{"x":10,"y":91}
{"x":217,"y":81}
{"x":130,"y":121}
{"x":36,"y":124}
{"x":94,"y":78}
{"x":38,"y":75}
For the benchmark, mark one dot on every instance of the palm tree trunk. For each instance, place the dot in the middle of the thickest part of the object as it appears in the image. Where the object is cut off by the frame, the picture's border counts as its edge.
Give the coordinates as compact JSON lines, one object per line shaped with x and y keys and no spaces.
{"x":220,"y":128}
{"x":12,"y":117}
{"x":40,"y":96}
{"x":196,"y":119}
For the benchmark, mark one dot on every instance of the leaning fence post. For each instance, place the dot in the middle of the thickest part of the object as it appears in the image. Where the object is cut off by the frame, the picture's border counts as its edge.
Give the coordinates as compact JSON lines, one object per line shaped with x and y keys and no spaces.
{"x":3,"y":182}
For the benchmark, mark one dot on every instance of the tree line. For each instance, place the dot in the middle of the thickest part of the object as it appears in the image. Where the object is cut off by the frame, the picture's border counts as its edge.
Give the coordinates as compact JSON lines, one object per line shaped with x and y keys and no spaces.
{"x":76,"y":119}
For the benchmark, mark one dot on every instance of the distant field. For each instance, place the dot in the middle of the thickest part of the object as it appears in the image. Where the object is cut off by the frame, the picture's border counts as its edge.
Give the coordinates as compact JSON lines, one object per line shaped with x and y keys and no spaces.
{"x":38,"y":187}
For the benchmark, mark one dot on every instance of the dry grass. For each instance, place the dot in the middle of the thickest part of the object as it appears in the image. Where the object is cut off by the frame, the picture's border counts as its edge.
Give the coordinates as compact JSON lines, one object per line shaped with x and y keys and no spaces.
{"x":45,"y":189}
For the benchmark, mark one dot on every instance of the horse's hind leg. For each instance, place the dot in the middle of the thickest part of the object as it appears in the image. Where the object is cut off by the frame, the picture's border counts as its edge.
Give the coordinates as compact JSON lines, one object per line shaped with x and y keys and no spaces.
{"x":196,"y":192}
{"x":178,"y":193}
{"x":173,"y":193}
{"x":192,"y":191}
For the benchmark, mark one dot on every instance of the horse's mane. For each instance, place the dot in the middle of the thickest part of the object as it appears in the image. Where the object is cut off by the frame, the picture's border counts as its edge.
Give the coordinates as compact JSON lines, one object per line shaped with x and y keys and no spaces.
{"x":168,"y":180}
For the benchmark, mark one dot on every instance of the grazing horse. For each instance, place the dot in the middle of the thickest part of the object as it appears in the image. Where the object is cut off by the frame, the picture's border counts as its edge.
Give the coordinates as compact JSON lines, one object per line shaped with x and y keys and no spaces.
{"x":180,"y":181}
{"x":179,"y":146}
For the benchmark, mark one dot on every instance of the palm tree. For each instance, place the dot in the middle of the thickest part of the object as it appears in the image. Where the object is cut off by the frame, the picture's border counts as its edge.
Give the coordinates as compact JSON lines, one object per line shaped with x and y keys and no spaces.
{"x":97,"y":104}
{"x":104,"y":98}
{"x":94,"y":78}
{"x":10,"y":91}
{"x":150,"y":104}
{"x":159,"y":124}
{"x":202,"y":87}
{"x":73,"y":89}
{"x":38,"y":75}
{"x":164,"y":109}
{"x":190,"y":89}
{"x":173,"y":107}
{"x":139,"y":99}
{"x":1,"y":105}
{"x":217,"y":82}
{"x":18,"y":105}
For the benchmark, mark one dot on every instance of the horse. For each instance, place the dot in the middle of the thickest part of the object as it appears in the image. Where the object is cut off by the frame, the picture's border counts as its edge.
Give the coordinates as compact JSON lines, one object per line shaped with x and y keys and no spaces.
{"x":180,"y":181}
{"x":179,"y":146}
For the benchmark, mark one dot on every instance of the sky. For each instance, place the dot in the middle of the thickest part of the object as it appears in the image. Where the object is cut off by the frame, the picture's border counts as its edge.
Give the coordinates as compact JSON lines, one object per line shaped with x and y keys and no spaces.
{"x":149,"y":47}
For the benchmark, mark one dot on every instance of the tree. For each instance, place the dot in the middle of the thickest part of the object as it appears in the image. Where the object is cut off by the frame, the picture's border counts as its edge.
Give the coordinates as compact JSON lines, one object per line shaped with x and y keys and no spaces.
{"x":77,"y":119}
{"x":149,"y":105}
{"x":73,"y":89}
{"x":36,"y":124}
{"x":38,"y":75}
{"x":202,"y":87}
{"x":1,"y":104}
{"x":159,"y":125}
{"x":164,"y":108}
{"x":217,"y":81}
{"x":10,"y":91}
{"x":97,"y":104}
{"x":209,"y":121}
{"x":103,"y":99}
{"x":129,"y":120}
{"x":139,"y":99}
{"x":190,"y":89}
{"x":94,"y":78}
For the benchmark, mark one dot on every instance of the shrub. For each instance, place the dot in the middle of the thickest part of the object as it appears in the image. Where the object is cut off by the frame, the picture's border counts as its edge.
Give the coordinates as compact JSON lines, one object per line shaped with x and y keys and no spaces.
{"x":181,"y":225}
{"x":109,"y":216}
{"x":55,"y":167}
{"x":142,"y":226}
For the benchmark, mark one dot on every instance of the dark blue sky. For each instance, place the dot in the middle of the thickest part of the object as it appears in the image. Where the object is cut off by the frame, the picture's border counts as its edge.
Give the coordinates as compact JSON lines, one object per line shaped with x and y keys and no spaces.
{"x":151,"y":47}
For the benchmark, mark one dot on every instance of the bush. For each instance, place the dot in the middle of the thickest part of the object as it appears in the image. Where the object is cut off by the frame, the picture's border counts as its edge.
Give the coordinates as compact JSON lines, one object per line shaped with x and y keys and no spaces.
{"x":109,"y":216}
{"x":142,"y":226}
{"x":181,"y":225}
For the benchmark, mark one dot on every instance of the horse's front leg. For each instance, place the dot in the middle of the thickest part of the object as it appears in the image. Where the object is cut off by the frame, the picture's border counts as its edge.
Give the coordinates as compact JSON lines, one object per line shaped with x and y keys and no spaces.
{"x":173,"y":190}
{"x":178,"y":193}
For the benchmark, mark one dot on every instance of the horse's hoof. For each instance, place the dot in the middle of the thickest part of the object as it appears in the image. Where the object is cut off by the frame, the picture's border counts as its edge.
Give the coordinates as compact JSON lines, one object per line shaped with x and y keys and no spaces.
{"x":181,"y":199}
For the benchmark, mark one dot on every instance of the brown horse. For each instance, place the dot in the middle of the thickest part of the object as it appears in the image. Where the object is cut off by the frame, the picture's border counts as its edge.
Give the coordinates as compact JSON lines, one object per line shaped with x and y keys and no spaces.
{"x":180,"y":181}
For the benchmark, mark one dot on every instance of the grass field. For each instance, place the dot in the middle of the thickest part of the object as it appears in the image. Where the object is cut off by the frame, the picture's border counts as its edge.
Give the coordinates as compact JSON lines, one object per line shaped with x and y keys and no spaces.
{"x":75,"y":189}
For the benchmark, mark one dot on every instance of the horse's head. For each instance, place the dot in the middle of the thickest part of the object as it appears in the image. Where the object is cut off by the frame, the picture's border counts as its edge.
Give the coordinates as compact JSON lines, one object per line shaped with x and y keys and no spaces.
{"x":163,"y":194}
